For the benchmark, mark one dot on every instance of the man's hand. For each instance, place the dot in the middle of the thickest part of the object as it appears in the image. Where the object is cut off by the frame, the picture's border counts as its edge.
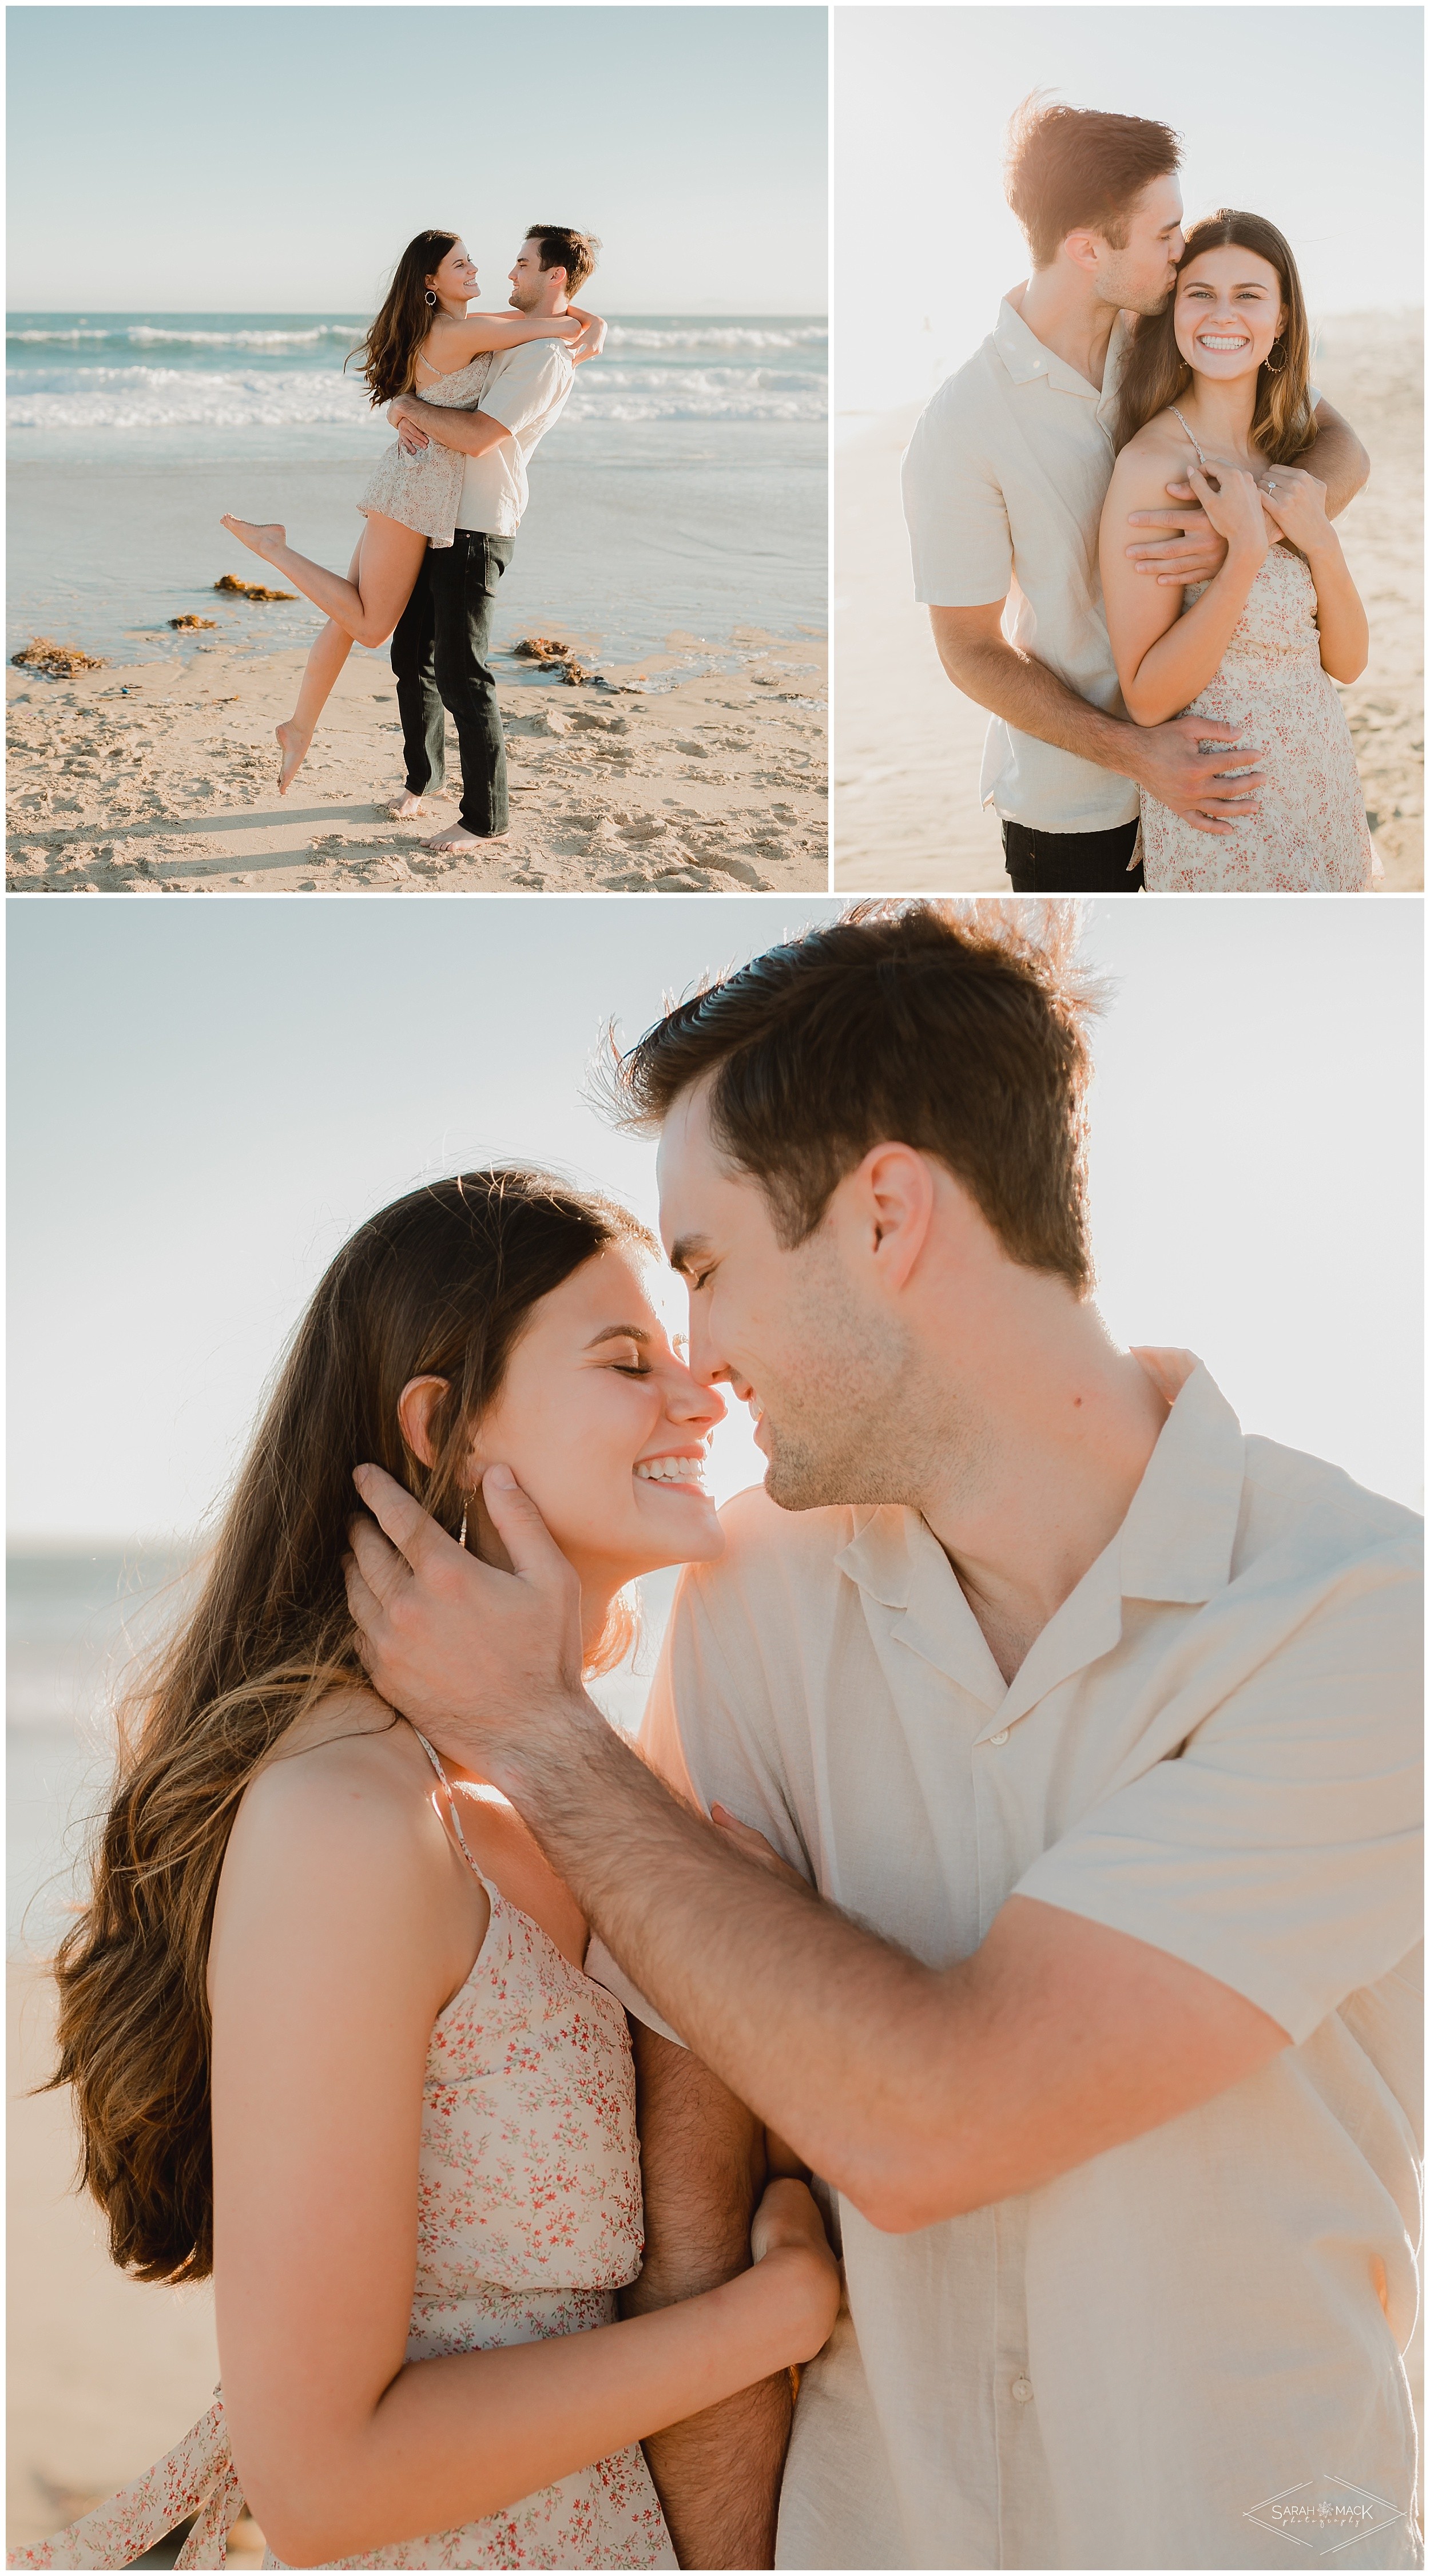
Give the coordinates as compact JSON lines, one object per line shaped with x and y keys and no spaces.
{"x":412,"y":438}
{"x":1196,"y":553}
{"x":1197,"y":784}
{"x":474,"y":1656}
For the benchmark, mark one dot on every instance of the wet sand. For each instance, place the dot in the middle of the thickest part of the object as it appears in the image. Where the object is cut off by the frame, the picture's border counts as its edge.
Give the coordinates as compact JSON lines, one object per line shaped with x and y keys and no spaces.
{"x":162,"y":777}
{"x":908,"y":745}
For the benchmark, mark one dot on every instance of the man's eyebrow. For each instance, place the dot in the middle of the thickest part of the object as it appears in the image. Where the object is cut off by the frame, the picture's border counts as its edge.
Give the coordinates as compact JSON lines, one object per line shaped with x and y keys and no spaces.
{"x":619,"y":1333}
{"x":688,"y":1249}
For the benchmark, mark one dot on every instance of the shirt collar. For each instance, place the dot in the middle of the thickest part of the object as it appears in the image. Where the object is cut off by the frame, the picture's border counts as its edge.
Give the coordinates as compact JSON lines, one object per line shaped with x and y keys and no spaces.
{"x":1175,"y":1544}
{"x":1027,"y":360}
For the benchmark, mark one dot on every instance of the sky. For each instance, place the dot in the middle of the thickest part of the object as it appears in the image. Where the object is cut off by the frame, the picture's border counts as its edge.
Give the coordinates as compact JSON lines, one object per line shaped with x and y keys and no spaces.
{"x":206,"y":1099}
{"x":198,"y":160}
{"x":1309,"y":115}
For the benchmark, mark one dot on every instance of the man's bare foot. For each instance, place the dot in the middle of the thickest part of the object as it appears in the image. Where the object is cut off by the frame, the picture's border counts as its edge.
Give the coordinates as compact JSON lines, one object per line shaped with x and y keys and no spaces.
{"x":404,"y":807}
{"x":294,"y":747}
{"x":459,"y":839}
{"x":260,"y":539}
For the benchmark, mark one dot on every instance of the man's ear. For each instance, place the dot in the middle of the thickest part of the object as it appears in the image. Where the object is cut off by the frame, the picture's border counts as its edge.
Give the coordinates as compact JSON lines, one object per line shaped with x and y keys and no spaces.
{"x":415,"y":1407}
{"x":1082,"y":249}
{"x":894,"y":1186}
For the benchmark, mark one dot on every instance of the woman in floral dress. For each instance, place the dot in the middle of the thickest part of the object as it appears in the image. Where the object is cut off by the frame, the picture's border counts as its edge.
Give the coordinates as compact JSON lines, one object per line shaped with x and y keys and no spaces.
{"x":1215,"y":393}
{"x":325,"y":2015}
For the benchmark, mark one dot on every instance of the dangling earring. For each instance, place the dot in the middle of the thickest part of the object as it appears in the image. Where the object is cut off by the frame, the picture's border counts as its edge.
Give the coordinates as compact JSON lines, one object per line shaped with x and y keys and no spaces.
{"x":462,"y":1532}
{"x":431,"y":301}
{"x":1266,"y":361}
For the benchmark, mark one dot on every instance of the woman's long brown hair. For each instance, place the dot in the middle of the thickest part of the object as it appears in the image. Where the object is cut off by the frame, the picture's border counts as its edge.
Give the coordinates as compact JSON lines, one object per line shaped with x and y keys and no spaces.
{"x":389,"y":348}
{"x":440,"y":1284}
{"x":1155,"y":372}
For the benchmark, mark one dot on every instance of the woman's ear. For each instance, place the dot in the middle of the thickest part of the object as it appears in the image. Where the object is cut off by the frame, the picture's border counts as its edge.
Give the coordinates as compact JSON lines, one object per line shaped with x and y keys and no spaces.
{"x":415,"y":1407}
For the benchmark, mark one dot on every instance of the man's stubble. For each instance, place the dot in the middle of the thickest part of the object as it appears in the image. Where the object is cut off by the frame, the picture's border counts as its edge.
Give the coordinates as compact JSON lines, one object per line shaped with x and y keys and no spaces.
{"x":856,"y":1419}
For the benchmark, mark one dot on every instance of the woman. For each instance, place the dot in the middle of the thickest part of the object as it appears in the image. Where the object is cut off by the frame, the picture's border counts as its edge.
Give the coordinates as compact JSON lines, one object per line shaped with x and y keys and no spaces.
{"x":422,"y":341}
{"x":325,"y":2017}
{"x":1214,"y":392}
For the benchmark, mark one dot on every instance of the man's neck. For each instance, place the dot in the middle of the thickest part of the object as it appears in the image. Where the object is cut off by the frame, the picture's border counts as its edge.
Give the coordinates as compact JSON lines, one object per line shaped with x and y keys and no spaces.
{"x":1063,"y":309}
{"x":548,"y":307}
{"x":1068,"y":1426}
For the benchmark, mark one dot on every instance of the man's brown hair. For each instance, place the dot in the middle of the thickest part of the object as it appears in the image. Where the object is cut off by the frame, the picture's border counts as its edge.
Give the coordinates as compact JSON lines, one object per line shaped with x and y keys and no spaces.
{"x":957,"y":1028}
{"x":1075,"y":169}
{"x":561,"y":248}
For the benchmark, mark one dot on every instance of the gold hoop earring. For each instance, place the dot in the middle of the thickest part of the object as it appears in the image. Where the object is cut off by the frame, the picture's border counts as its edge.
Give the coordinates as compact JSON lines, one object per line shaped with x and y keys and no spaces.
{"x":430,"y":300}
{"x":1266,"y":361}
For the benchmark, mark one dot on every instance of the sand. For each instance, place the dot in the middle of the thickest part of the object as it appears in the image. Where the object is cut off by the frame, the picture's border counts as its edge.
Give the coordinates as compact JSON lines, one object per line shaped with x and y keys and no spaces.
{"x":105,"y":2373}
{"x":907,"y":744}
{"x":162,"y":777}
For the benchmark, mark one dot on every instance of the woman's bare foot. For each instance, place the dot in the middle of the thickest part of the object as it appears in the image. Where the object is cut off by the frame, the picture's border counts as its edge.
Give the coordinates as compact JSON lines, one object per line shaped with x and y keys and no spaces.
{"x":260,"y":539}
{"x":293,"y":745}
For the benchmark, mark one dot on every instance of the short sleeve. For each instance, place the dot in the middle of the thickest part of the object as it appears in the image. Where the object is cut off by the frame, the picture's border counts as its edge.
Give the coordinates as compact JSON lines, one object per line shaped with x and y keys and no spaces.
{"x":959,"y":538}
{"x":1280,"y":1850}
{"x":532,"y":379}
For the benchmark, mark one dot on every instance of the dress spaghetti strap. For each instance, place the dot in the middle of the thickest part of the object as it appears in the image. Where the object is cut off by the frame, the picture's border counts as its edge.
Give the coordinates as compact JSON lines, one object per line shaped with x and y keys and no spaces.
{"x":1201,"y":460}
{"x":436,"y":1761}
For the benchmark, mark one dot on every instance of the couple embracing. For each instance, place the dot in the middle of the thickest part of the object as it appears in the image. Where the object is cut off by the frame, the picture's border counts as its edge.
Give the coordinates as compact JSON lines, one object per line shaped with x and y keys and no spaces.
{"x":1163,"y":709}
{"x":987,"y":1988}
{"x":470,"y":394}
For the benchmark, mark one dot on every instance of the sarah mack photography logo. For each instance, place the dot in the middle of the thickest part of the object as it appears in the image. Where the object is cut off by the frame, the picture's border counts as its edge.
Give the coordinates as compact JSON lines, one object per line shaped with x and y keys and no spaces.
{"x":1324,"y":2515}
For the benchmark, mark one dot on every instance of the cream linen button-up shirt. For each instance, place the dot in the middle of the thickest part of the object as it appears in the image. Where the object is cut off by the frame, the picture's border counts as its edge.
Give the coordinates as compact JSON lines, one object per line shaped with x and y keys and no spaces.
{"x":527,"y":391}
{"x":1004,"y":482}
{"x":1167,"y":2355}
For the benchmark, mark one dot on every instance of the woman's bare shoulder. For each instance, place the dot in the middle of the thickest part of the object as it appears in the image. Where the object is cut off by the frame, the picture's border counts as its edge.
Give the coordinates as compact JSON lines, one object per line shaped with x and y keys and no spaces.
{"x":1155,"y":457}
{"x":349,"y":1776}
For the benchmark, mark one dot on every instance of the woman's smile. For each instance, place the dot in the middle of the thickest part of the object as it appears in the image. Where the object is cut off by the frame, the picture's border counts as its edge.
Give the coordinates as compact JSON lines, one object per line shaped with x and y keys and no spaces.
{"x":681,"y":1470}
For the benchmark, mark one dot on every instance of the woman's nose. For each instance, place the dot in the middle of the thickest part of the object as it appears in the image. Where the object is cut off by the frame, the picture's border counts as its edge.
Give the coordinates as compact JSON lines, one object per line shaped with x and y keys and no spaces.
{"x":689,"y":1401}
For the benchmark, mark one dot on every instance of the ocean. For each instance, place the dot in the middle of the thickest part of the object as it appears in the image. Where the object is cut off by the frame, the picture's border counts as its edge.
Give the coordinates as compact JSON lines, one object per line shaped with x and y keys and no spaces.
{"x":682,"y":494}
{"x":75,"y":1617}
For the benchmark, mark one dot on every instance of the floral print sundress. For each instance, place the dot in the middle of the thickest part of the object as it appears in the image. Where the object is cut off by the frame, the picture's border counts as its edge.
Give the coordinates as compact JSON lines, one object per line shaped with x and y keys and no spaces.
{"x":529,"y":2221}
{"x":1310,"y":835}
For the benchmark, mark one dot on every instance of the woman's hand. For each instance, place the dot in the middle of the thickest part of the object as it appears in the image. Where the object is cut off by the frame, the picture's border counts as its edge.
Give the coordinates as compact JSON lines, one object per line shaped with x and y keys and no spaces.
{"x":591,"y":339}
{"x":746,"y":1839}
{"x":1295,"y":504}
{"x":788,"y":2232}
{"x":1233,"y":506}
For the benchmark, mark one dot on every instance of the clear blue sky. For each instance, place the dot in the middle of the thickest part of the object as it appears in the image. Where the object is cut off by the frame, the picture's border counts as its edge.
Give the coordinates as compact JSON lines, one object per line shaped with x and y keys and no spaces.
{"x":276,"y":159}
{"x":1311,"y":116}
{"x":207,"y":1097}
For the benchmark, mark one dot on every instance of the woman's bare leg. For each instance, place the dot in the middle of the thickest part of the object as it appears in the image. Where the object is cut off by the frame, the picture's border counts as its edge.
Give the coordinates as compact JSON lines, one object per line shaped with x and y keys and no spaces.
{"x":330,"y":651}
{"x":389,"y":557}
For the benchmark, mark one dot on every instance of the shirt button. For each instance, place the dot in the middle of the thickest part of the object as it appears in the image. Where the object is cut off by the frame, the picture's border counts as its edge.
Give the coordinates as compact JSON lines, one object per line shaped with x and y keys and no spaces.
{"x":1001,"y":1737}
{"x":1023,"y":2390}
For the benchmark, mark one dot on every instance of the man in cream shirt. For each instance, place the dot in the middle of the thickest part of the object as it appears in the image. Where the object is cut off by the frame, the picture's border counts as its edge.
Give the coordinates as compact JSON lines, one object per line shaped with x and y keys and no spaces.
{"x":1004,"y":482}
{"x":439,"y":649}
{"x":1086,"y":1730}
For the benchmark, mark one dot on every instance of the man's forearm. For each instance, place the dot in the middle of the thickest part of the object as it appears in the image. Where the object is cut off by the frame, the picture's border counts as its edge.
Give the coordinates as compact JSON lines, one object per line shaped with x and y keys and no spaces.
{"x":702,"y":2168}
{"x":1338,"y":460}
{"x":468,"y":433}
{"x":833,"y":2037}
{"x":1031,"y":698}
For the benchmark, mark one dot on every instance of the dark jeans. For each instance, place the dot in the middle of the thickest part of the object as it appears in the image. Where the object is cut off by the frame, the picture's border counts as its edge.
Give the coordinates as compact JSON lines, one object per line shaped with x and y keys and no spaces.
{"x":438,"y":661}
{"x":1071,"y":862}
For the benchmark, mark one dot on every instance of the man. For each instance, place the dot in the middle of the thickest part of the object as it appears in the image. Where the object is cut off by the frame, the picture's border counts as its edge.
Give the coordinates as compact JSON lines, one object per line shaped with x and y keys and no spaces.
{"x":440,"y":646}
{"x":1091,"y":1726}
{"x":1004,"y":482}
